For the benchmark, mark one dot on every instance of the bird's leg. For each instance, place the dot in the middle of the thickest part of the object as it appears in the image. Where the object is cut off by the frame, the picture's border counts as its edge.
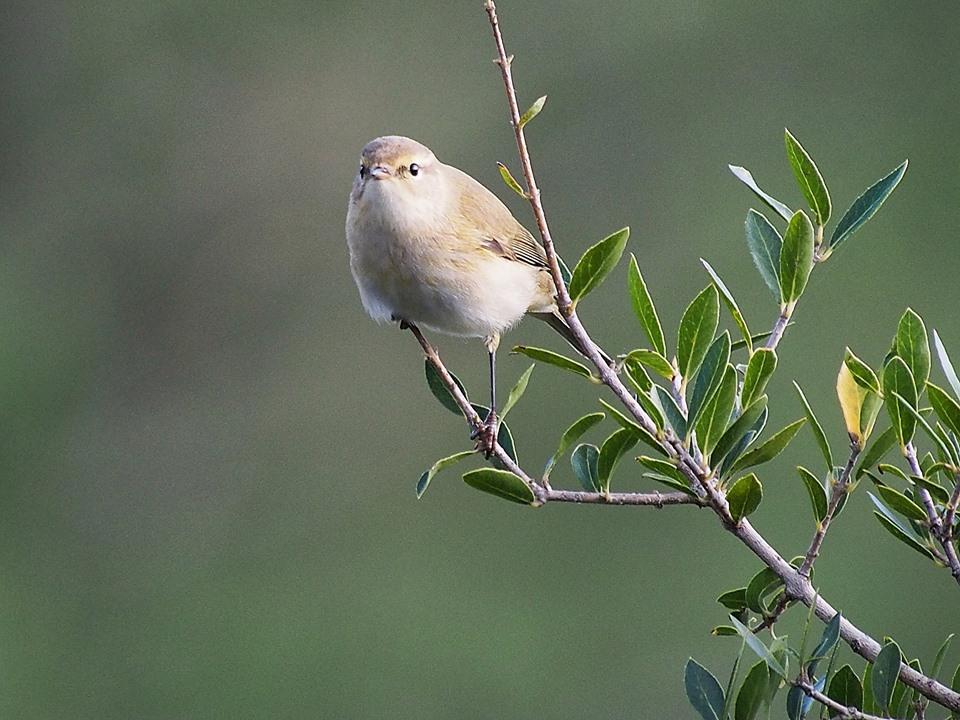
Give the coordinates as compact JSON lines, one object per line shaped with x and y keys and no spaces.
{"x":487,"y":436}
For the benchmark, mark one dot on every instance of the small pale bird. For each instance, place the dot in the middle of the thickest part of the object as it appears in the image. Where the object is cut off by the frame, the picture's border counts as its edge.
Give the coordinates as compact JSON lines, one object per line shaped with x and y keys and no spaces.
{"x":431,"y":246}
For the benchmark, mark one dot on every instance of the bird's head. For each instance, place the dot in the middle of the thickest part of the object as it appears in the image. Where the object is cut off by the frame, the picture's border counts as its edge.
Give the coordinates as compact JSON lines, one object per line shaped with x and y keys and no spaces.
{"x":399,"y":175}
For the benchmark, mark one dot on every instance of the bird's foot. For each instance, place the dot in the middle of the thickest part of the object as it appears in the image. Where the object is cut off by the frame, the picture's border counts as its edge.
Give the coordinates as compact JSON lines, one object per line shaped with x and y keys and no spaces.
{"x":486,"y":434}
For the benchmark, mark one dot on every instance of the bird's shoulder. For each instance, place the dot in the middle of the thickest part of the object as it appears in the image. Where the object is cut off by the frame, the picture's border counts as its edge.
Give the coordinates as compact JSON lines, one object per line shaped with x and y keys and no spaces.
{"x":493,"y":225}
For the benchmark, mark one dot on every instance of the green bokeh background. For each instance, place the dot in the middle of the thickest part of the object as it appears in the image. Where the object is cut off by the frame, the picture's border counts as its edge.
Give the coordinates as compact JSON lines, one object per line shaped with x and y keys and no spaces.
{"x":208,"y":452}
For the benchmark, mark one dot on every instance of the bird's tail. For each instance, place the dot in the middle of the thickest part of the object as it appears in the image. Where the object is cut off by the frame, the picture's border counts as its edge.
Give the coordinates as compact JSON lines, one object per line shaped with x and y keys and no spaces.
{"x":556,"y":321}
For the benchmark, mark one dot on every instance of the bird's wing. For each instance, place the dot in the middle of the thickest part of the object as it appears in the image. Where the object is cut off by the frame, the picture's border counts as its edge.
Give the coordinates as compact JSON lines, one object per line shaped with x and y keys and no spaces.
{"x":494,"y":226}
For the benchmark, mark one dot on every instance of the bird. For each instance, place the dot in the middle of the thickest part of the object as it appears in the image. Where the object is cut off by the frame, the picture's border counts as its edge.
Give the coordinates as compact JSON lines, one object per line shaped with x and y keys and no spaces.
{"x":431,"y":246}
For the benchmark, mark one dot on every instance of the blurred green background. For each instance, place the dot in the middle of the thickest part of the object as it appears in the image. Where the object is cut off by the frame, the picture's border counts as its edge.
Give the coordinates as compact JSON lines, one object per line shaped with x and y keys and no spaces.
{"x":209,"y":453}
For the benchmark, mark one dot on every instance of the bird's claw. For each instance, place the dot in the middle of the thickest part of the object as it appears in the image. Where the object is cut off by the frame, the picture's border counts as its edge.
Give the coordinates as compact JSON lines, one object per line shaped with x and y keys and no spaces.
{"x":486,"y":435}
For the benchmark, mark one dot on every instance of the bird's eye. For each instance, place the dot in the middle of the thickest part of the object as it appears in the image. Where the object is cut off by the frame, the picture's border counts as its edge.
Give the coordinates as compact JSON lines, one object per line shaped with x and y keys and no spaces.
{"x":414,"y":169}
{"x":363,"y":171}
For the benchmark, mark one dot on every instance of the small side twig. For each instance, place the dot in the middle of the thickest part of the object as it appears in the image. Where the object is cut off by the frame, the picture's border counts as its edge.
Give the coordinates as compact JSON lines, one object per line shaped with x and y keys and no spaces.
{"x":542,"y":493}
{"x":938,"y":529}
{"x":837,"y":494}
{"x":839,"y":710}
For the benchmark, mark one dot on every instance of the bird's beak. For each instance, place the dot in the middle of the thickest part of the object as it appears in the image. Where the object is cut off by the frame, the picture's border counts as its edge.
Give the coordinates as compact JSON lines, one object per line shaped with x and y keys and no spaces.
{"x":379,"y":172}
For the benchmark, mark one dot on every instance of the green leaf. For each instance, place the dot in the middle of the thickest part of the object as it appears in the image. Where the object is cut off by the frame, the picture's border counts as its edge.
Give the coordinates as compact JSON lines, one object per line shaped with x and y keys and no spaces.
{"x":584,"y":462}
{"x":796,"y":257}
{"x":551,"y":358}
{"x":770,"y":449}
{"x":795,"y":703}
{"x":744,"y":496}
{"x":755,"y":644}
{"x":955,"y":685}
{"x":565,"y":274}
{"x":670,"y":483}
{"x":816,"y":491}
{"x":644,"y":308}
{"x":765,"y":243}
{"x":614,"y":448}
{"x":662,"y":467}
{"x":731,"y":304}
{"x":439,"y":388}
{"x":828,"y":640}
{"x":703,"y":691}
{"x":697,"y":328}
{"x":862,"y":373}
{"x":734,"y":599}
{"x":898,"y":707}
{"x":637,"y":375}
{"x":709,"y":378}
{"x":532,"y":111}
{"x":723,"y":631}
{"x":912,"y":346}
{"x":740,"y":427}
{"x":652,"y":409}
{"x":809,"y":179}
{"x":672,"y":412}
{"x":596,"y":264}
{"x":516,"y":392}
{"x":898,"y":380}
{"x":941,"y":654}
{"x":570,"y":436}
{"x":502,"y":483}
{"x":945,"y":363}
{"x":628,"y":423}
{"x":898,"y":502}
{"x":938,"y":492}
{"x":653,"y":360}
{"x":845,"y":688}
{"x":817,"y":429}
{"x":716,"y":414}
{"x":764,"y":583}
{"x":744,"y":176}
{"x":760,"y":368}
{"x":510,"y":181}
{"x":439,"y":465}
{"x":877,"y":449}
{"x":728,"y":692}
{"x":753,"y":693}
{"x":896,"y":527}
{"x":866,"y":205}
{"x":941,"y":441}
{"x":883,"y":674}
{"x":946,"y":408}
{"x":869,"y":705}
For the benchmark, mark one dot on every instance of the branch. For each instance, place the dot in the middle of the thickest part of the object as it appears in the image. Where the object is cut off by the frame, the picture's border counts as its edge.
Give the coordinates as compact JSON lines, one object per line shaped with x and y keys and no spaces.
{"x":942,"y":533}
{"x":842,"y":711}
{"x":796,"y":586}
{"x":541,"y":492}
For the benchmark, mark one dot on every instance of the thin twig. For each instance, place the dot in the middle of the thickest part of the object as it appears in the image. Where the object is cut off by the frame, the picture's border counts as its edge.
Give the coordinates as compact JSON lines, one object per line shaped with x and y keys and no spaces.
{"x":950,"y":516}
{"x":937,"y":527}
{"x":779,"y":327}
{"x":654,"y":499}
{"x":796,"y":586}
{"x":541,"y":493}
{"x":838,"y":493}
{"x":842,"y":711}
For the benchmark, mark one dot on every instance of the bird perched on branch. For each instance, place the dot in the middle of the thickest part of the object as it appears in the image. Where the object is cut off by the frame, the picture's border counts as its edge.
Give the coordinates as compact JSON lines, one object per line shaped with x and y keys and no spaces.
{"x":430,"y":246}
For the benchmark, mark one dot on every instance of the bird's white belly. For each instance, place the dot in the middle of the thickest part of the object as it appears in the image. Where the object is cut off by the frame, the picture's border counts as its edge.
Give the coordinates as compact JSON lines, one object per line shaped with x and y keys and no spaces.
{"x":439,"y":288}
